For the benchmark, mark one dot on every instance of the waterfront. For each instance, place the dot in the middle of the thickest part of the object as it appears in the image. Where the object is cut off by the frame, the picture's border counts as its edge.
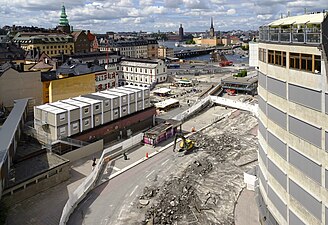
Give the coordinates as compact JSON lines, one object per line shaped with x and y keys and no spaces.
{"x":237,"y":59}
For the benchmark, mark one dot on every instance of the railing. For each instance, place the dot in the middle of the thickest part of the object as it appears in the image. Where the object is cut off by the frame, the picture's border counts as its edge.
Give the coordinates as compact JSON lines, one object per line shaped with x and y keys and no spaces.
{"x":90,"y":181}
{"x":236,"y":104}
{"x":199,"y":105}
{"x":309,"y":36}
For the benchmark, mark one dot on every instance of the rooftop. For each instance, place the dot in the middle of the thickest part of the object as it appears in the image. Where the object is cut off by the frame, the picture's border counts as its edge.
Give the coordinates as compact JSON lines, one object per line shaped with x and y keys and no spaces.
{"x":316,"y":18}
{"x":50,"y":108}
{"x":8,"y":129}
{"x":241,"y":80}
{"x":35,"y":166}
{"x":166,"y":103}
{"x":75,"y":102}
{"x":161,"y":128}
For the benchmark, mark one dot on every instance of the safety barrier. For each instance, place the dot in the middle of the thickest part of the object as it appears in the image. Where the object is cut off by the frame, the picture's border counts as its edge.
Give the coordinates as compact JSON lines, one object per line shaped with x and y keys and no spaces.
{"x":199,"y":105}
{"x":90,"y":181}
{"x":253,"y":108}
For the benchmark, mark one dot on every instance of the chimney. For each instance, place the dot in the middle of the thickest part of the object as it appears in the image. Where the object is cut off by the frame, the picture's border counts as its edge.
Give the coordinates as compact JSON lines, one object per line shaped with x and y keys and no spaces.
{"x":288,"y":14}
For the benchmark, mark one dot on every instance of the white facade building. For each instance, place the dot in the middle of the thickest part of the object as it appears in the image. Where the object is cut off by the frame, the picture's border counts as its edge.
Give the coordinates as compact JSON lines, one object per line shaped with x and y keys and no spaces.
{"x":141,"y":72}
{"x":253,"y":54}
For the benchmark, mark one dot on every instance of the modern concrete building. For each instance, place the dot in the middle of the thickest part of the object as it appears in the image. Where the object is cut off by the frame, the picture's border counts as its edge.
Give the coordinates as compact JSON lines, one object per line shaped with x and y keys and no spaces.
{"x":142,"y":72}
{"x":69,"y":117}
{"x":293,"y":121}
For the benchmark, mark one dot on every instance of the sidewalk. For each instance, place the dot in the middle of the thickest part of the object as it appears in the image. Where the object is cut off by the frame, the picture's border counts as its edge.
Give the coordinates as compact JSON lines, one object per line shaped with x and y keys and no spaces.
{"x":246,"y":211}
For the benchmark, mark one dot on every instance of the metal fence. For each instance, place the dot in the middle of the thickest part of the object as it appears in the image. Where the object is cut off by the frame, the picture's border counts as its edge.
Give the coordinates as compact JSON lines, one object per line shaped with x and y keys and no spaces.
{"x":90,"y":181}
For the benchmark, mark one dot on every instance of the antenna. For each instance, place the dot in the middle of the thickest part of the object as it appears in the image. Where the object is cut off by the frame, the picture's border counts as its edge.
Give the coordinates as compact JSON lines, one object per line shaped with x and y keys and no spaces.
{"x":305,"y":11}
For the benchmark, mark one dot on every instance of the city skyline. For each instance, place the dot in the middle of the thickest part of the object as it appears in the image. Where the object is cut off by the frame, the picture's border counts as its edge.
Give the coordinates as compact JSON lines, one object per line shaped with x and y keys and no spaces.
{"x":152,"y":15}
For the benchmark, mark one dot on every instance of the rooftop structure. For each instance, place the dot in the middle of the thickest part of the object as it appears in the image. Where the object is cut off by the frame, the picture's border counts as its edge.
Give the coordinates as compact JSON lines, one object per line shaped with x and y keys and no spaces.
{"x":304,"y":29}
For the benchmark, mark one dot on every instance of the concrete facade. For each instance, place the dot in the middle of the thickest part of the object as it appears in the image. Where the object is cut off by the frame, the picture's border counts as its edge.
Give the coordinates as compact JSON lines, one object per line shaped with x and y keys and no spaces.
{"x":292,"y":131}
{"x":17,"y":85}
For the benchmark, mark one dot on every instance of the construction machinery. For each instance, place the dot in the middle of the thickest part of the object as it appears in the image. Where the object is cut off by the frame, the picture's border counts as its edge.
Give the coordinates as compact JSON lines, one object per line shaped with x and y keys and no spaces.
{"x":185,"y":144}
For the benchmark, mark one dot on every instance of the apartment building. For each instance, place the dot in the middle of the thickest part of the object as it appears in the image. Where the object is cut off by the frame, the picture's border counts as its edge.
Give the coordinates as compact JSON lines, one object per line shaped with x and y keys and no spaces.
{"x":141,"y":72}
{"x":51,"y":43}
{"x":293,"y":121}
{"x":133,"y":48}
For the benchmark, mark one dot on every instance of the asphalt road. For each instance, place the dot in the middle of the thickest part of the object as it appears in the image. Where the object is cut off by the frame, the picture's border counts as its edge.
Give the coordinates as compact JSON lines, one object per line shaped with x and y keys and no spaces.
{"x":111,"y":201}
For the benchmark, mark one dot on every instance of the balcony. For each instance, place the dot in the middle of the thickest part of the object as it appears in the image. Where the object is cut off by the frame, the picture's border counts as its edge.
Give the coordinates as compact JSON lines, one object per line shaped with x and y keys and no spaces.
{"x":297,"y":34}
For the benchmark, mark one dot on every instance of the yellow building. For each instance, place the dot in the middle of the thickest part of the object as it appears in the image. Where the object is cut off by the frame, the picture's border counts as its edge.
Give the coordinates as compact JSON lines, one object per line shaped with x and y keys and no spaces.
{"x":71,"y":87}
{"x":164,"y":52}
{"x":207,"y":41}
{"x":51,"y":43}
{"x":70,"y":80}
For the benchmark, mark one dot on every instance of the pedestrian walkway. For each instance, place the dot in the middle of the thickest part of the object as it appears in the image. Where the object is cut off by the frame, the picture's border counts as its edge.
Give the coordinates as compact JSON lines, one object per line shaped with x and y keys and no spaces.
{"x":246,"y":211}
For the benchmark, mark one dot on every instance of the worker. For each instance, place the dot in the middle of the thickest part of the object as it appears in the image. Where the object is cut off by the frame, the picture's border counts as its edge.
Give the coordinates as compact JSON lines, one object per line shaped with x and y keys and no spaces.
{"x":125,"y":156}
{"x":94,"y":163}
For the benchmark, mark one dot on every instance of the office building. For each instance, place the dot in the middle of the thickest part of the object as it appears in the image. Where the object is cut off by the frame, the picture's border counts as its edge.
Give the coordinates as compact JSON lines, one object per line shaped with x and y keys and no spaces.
{"x":293,"y":121}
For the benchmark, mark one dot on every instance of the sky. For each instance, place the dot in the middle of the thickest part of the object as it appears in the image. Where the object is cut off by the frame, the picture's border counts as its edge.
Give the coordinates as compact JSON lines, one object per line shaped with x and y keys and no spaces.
{"x":153,"y":15}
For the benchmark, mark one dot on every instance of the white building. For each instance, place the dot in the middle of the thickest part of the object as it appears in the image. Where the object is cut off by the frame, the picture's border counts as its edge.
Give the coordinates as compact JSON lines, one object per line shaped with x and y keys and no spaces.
{"x":293,"y":121}
{"x":253,"y":54}
{"x":141,"y":72}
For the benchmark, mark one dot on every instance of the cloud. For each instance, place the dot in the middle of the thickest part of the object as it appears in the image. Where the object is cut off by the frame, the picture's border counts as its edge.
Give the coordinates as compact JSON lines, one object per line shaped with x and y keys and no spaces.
{"x":151,"y":15}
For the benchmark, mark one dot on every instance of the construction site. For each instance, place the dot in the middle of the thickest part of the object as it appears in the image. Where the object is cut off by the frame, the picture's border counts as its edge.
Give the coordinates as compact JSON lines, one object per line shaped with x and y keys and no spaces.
{"x":202,"y":186}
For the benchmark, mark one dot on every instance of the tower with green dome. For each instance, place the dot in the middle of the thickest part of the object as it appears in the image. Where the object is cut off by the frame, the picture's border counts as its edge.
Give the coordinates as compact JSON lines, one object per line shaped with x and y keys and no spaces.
{"x":63,"y":21}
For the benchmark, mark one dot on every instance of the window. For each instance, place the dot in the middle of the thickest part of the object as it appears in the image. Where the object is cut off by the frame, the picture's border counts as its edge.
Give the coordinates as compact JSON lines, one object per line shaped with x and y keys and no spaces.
{"x":75,"y":126}
{"x":107,"y":103}
{"x":61,"y":117}
{"x":62,"y":131}
{"x":97,"y":119}
{"x":97,"y":107}
{"x":124,"y":110}
{"x":306,"y":62}
{"x":86,"y":110}
{"x":86,"y":122}
{"x":317,"y":64}
{"x":116,"y":112}
{"x":275,"y":57}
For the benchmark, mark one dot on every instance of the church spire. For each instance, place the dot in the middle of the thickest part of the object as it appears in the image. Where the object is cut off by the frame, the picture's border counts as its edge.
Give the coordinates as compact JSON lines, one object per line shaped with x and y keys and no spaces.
{"x":212,"y":22}
{"x":63,"y":21}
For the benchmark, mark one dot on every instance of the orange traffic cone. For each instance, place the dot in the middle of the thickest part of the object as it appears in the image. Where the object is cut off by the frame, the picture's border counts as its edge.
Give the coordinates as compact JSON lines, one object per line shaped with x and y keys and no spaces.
{"x":146,"y":155}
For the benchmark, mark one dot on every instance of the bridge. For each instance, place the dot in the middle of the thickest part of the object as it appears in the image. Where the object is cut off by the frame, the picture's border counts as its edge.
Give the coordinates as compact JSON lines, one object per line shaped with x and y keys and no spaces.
{"x":196,"y":52}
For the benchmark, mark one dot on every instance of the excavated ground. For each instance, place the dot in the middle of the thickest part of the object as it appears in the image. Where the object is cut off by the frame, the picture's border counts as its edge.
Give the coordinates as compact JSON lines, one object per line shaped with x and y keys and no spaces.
{"x":203,"y":189}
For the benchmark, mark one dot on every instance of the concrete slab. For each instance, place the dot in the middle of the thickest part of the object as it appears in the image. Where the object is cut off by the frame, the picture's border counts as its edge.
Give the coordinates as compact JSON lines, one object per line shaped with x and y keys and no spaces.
{"x":246,"y":211}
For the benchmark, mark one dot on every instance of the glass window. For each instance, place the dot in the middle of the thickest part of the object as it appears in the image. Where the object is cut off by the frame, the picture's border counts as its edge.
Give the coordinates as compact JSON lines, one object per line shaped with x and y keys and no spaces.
{"x":86,"y":122}
{"x":75,"y":126}
{"x":61,"y":117}
{"x":97,"y":106}
{"x":86,"y":110}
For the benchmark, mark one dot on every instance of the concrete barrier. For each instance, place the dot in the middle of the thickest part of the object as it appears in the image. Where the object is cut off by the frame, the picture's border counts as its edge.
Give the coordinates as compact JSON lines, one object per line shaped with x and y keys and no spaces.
{"x":91,"y":180}
{"x":85,"y":151}
{"x":236,"y":104}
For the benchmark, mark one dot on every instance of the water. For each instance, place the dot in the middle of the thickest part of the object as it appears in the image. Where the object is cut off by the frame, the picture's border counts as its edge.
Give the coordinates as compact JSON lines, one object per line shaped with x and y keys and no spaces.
{"x":233,"y":58}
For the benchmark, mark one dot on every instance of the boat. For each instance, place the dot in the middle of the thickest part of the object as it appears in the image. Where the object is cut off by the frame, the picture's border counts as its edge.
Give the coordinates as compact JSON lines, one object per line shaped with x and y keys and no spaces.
{"x":177,"y":44}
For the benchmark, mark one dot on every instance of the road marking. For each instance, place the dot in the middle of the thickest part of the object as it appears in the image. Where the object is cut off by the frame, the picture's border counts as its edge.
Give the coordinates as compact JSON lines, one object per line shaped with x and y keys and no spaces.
{"x":119,"y":215}
{"x":135,"y":188}
{"x":150,"y":173}
{"x":115,"y":168}
{"x":165,"y":162}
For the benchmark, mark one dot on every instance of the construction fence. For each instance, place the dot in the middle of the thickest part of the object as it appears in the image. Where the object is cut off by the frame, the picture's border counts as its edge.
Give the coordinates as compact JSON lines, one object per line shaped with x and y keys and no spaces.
{"x":90,"y":181}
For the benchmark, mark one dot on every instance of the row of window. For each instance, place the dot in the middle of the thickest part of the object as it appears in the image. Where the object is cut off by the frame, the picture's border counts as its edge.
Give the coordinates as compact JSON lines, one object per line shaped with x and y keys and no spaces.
{"x":57,"y":46}
{"x":305,"y":62}
{"x":105,"y":77}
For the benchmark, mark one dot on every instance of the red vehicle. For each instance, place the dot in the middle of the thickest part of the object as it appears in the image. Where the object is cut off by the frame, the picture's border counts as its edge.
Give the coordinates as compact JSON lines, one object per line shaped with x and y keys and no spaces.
{"x":226,"y":63}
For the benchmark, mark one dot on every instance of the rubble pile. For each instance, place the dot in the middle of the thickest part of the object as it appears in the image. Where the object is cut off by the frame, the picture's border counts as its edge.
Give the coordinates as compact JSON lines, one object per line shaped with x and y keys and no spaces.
{"x":178,"y":199}
{"x":204,"y":189}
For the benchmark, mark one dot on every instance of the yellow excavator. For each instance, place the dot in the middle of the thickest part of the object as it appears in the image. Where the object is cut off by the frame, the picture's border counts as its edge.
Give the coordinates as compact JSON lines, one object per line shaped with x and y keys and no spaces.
{"x":185,"y":144}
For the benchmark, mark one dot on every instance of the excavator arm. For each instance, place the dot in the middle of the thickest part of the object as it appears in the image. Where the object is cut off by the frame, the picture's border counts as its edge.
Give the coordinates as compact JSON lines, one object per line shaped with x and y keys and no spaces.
{"x":177,"y":136}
